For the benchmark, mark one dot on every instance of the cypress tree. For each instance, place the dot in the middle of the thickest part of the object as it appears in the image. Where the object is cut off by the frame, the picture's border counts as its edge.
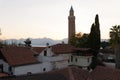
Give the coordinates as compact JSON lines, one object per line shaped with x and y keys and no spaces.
{"x":94,"y":42}
{"x":94,"y":37}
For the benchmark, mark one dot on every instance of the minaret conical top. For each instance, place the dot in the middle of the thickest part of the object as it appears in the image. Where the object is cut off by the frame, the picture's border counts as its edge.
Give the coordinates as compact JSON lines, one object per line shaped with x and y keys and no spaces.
{"x":71,"y":11}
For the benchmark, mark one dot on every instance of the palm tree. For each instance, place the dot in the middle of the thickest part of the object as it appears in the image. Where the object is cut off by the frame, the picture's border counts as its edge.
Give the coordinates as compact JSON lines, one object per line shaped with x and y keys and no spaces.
{"x":115,"y":40}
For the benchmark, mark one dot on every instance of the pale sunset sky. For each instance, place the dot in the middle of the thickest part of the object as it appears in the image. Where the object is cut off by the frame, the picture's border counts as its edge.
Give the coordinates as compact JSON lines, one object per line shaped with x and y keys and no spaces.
{"x":49,"y":18}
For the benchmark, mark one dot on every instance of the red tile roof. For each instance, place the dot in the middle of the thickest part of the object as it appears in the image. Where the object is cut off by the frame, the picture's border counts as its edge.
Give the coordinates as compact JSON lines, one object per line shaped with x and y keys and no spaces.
{"x":82,"y":49}
{"x":79,"y":74}
{"x":73,"y":73}
{"x":3,"y":75}
{"x":69,"y":73}
{"x":16,"y":56}
{"x":105,"y":73}
{"x":67,"y":49}
{"x":62,"y":48}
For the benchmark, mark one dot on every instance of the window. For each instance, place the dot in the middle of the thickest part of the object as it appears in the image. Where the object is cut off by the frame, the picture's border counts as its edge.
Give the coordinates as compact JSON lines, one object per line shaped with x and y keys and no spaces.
{"x":88,"y":60}
{"x":1,"y":67}
{"x":76,"y":59}
{"x":10,"y":69}
{"x":68,"y":61}
{"x":71,"y":58}
{"x":44,"y":69}
{"x":45,"y":53}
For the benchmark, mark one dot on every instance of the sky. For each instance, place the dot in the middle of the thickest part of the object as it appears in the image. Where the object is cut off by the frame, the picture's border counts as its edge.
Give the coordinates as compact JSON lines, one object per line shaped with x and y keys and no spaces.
{"x":49,"y":18}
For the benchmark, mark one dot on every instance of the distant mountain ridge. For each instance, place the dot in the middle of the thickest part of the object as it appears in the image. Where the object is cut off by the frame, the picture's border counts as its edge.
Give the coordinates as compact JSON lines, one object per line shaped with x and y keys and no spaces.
{"x":37,"y":41}
{"x":41,"y":41}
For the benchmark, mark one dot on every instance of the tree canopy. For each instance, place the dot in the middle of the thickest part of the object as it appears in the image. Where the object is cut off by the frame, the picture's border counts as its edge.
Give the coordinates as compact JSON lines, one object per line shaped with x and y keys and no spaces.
{"x":115,"y":34}
{"x":80,"y":40}
{"x":27,"y":42}
{"x":91,"y":40}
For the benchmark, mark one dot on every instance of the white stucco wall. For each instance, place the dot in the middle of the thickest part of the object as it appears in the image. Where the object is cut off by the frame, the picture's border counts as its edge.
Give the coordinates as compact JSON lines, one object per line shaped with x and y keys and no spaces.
{"x":5,"y":66}
{"x":57,"y":60}
{"x":50,"y":58}
{"x":66,"y":56}
{"x":48,"y":66}
{"x":61,"y":64}
{"x":33,"y":68}
{"x":81,"y":61}
{"x":48,"y":50}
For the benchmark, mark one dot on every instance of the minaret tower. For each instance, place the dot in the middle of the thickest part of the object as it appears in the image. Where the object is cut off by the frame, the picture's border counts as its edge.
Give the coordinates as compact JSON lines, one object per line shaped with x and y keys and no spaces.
{"x":71,"y":25}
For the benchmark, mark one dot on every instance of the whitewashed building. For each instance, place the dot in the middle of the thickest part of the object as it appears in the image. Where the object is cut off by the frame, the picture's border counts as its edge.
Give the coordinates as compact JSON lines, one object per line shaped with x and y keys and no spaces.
{"x":18,"y":61}
{"x":63,"y":55}
{"x":57,"y":55}
{"x":82,"y":57}
{"x":24,"y":60}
